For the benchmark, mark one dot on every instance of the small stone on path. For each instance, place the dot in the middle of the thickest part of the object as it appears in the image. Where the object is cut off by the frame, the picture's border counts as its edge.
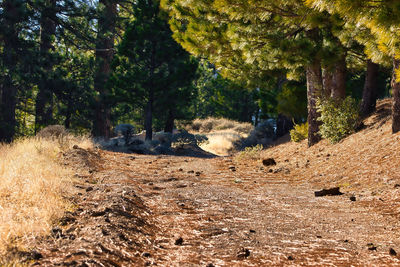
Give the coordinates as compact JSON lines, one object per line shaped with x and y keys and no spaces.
{"x":269,"y":162}
{"x":179,"y":241}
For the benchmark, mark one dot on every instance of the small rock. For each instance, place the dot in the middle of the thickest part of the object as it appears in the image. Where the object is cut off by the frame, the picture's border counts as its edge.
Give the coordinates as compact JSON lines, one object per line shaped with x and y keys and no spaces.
{"x":243,"y":253}
{"x":179,"y":241}
{"x":56,"y":232}
{"x":353,"y":198}
{"x":98,"y":213}
{"x":66,"y":220}
{"x":335,"y":191}
{"x":290,"y":258}
{"x":371,"y":246}
{"x":270,"y":170}
{"x":146,"y":254}
{"x":392,"y":252}
{"x":181,"y":170}
{"x":89,"y":189}
{"x":252,"y":231}
{"x":269,"y":162}
{"x":190,"y":171}
{"x":210,"y":265}
{"x":318,"y":236}
{"x":346,"y":241}
{"x":75,"y":147}
{"x":104,"y":232}
{"x":71,"y":229}
{"x":198,"y":173}
{"x":35,"y":255}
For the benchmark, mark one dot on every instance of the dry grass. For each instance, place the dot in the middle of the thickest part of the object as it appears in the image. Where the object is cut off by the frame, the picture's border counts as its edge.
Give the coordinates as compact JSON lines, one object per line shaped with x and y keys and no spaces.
{"x":219,"y":124}
{"x":367,"y":160}
{"x":33,"y":187}
{"x":221,"y":133}
{"x":220,"y":144}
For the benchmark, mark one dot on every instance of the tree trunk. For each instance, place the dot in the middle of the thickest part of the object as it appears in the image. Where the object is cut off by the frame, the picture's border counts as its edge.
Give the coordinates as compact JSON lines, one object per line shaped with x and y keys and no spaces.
{"x":283,"y":125}
{"x":327,"y":81}
{"x":370,"y":91}
{"x":169,"y":124}
{"x":339,"y":79}
{"x":67,"y":122}
{"x":314,"y":91}
{"x":148,"y":121}
{"x":396,"y":97}
{"x":9,"y":90}
{"x":104,"y":57}
{"x":44,"y":99}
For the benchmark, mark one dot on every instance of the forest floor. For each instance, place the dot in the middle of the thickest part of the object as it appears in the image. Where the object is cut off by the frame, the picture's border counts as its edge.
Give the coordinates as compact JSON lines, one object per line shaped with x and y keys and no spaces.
{"x":141,"y":210}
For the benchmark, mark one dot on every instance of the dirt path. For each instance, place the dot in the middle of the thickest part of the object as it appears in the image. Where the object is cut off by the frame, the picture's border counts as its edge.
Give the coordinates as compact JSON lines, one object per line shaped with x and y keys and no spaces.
{"x":181,"y":211}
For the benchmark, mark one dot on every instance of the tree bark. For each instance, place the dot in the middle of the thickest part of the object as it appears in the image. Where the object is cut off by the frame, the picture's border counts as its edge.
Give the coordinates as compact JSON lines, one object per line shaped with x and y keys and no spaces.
{"x":68,"y":115}
{"x":327,"y":81}
{"x":169,"y":124}
{"x":9,"y":89}
{"x":283,"y":125}
{"x":104,"y":56}
{"x":396,"y":96}
{"x":44,"y":99}
{"x":339,"y":79}
{"x":148,"y":121}
{"x":370,"y":91}
{"x":314,"y":91}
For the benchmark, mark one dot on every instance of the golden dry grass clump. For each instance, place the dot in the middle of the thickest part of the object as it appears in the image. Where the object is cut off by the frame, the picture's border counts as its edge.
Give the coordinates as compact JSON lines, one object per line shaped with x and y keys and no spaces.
{"x":218,"y":124}
{"x":221,"y":133}
{"x":33,"y":187}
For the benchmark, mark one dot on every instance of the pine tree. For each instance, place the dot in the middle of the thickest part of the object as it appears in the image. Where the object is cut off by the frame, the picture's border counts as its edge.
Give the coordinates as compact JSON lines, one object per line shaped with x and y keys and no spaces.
{"x":382,"y":19}
{"x":106,"y":31}
{"x":44,"y":100}
{"x":250,"y":40}
{"x":13,"y":17}
{"x":151,"y":68}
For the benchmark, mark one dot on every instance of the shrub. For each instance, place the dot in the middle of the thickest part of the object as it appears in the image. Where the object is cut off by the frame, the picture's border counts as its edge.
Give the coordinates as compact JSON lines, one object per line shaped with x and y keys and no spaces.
{"x":126,"y":130}
{"x":299,"y":132}
{"x":218,"y":124}
{"x":339,"y":119}
{"x":185,"y":138}
{"x":52,"y":131}
{"x":263,"y":134}
{"x":250,"y":153}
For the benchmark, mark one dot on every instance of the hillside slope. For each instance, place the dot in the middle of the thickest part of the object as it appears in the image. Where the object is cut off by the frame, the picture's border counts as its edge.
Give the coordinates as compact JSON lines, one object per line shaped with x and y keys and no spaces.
{"x":366,"y":162}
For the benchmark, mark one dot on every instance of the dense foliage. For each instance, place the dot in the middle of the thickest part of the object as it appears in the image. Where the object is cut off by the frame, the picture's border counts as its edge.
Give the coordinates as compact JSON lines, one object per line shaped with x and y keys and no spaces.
{"x":299,"y":132}
{"x":339,"y":119}
{"x":91,"y":65}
